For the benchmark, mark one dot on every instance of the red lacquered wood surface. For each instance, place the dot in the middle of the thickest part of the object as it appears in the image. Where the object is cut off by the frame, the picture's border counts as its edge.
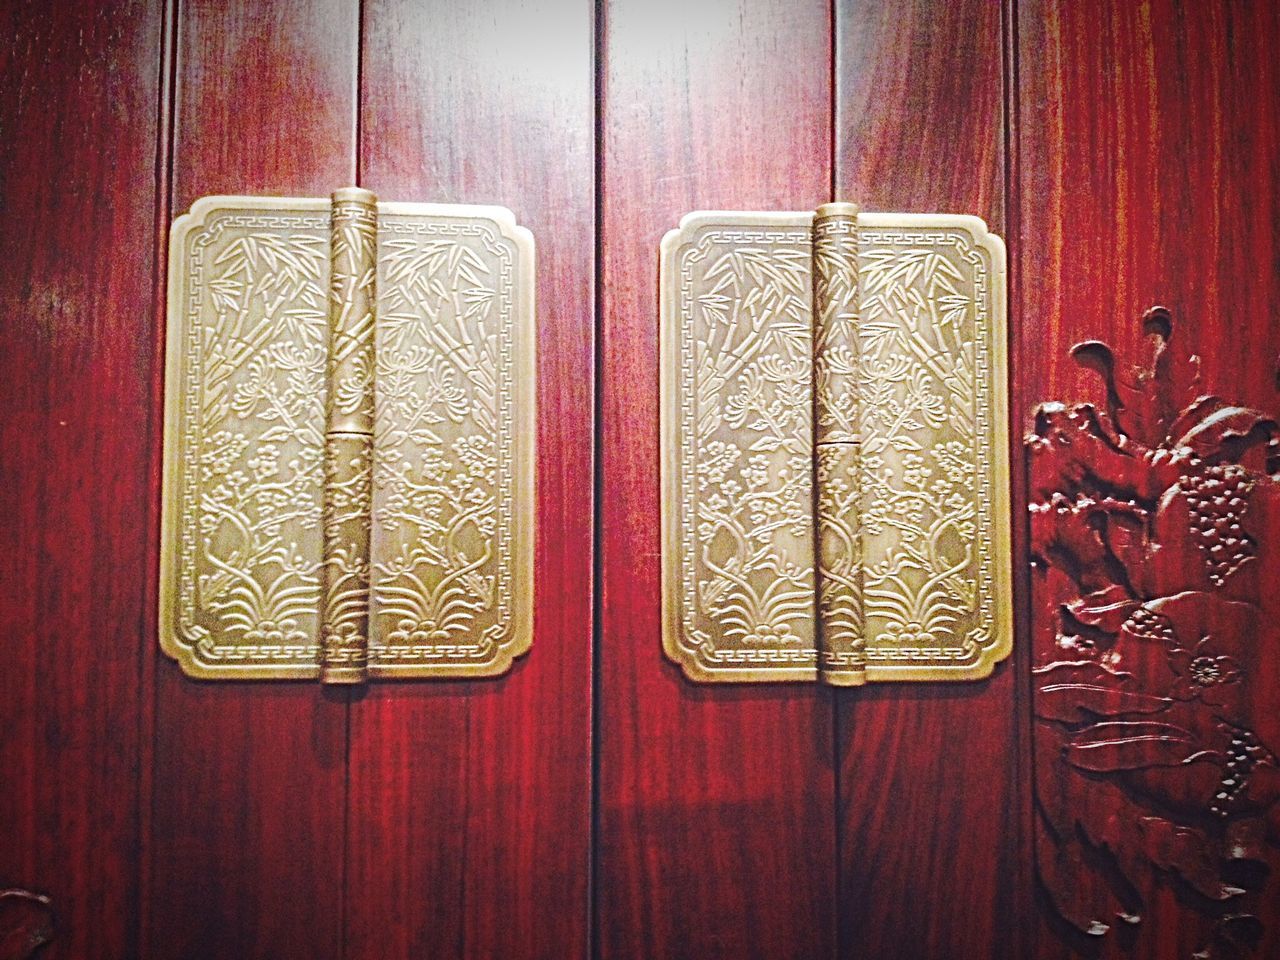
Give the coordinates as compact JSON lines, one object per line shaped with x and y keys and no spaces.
{"x":77,"y":213}
{"x":171,"y":818}
{"x":932,"y":797}
{"x":1148,"y":145}
{"x":469,"y":822}
{"x":249,"y":778}
{"x":715,"y":821}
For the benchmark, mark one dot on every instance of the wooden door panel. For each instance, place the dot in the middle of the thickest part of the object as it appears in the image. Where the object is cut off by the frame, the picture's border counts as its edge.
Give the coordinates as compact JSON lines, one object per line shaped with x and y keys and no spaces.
{"x":1128,"y":153}
{"x":1147,"y":148}
{"x":715,"y":820}
{"x":933,"y":801}
{"x":469,"y":824}
{"x":249,"y":779}
{"x":78,"y":193}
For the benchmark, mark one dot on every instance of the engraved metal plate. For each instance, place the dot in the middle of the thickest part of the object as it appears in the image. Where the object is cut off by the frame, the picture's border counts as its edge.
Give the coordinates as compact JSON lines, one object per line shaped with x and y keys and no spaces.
{"x":872,"y":543}
{"x":349,"y":439}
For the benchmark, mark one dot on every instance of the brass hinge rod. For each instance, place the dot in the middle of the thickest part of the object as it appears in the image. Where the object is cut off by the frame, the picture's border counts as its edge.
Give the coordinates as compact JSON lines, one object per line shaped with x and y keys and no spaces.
{"x":836,"y":438}
{"x":349,"y":420}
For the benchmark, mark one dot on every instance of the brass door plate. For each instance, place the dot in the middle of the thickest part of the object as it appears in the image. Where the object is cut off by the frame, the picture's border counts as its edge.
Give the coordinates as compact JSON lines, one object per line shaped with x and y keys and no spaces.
{"x":349,"y":440}
{"x":834,"y":447}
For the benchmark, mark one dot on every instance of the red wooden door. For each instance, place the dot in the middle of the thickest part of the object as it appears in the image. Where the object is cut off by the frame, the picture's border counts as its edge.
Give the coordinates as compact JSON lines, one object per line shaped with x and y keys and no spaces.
{"x":593,"y":802}
{"x":172,"y":818}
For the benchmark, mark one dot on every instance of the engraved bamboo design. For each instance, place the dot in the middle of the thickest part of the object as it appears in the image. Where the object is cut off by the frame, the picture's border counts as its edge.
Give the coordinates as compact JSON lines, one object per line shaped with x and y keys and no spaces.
{"x":349,"y":421}
{"x":837,"y":486}
{"x":833,"y":405}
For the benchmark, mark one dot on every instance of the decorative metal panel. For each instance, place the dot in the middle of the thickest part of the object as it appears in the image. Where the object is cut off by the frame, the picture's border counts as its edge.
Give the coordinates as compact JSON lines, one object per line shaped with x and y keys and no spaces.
{"x":835,"y":462}
{"x":349,"y":465}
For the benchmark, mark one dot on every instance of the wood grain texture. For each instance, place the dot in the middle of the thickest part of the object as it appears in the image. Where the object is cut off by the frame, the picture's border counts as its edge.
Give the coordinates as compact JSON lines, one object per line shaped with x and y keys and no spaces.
{"x":77,"y":204}
{"x":929,"y":788}
{"x":470,"y":824}
{"x":1148,"y":149}
{"x":930,"y":802}
{"x":715,"y":823}
{"x":249,"y":779}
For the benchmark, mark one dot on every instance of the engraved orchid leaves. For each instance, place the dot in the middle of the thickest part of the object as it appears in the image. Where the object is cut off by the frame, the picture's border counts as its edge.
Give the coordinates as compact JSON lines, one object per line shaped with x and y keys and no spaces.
{"x":1149,"y":527}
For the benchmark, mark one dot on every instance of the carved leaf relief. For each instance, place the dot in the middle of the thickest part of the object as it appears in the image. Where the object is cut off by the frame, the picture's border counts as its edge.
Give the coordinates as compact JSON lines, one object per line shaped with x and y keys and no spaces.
{"x":1152,"y":520}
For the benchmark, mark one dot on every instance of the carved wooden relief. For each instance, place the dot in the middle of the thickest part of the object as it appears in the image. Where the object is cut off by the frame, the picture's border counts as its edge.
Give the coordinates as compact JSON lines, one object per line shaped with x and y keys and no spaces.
{"x":1155,"y":521}
{"x":26,"y":923}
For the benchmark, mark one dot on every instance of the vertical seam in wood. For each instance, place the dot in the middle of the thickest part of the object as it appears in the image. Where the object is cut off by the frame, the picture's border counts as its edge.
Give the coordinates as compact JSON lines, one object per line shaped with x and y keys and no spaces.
{"x":357,"y":110}
{"x":166,"y":132}
{"x":836,"y":699}
{"x":833,"y":98}
{"x":597,"y":472}
{"x":349,"y":696}
{"x":1024,"y":739}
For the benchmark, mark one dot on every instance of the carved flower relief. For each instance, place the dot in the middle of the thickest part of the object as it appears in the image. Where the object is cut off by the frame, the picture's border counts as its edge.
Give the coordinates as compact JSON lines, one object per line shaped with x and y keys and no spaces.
{"x":773,"y":398}
{"x":221,"y":451}
{"x":476,"y":453}
{"x":834,"y":486}
{"x":1152,"y":698}
{"x":265,"y":462}
{"x":920,"y":397}
{"x":914,"y":472}
{"x":354,"y":393}
{"x":833,"y":373}
{"x":442,"y":395}
{"x":418,"y":499}
{"x":954,"y":460}
{"x":350,"y":494}
{"x":756,"y":472}
{"x":254,"y":387}
{"x":1203,"y":675}
{"x":344,"y":633}
{"x":1192,"y":645}
{"x":416,"y":386}
{"x":715,"y":459}
{"x":257,"y":394}
{"x":433,"y":467}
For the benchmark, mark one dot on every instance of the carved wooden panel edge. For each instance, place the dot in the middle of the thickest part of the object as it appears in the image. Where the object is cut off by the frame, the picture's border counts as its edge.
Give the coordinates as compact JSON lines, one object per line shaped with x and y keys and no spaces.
{"x":1155,"y":525}
{"x":26,"y":923}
